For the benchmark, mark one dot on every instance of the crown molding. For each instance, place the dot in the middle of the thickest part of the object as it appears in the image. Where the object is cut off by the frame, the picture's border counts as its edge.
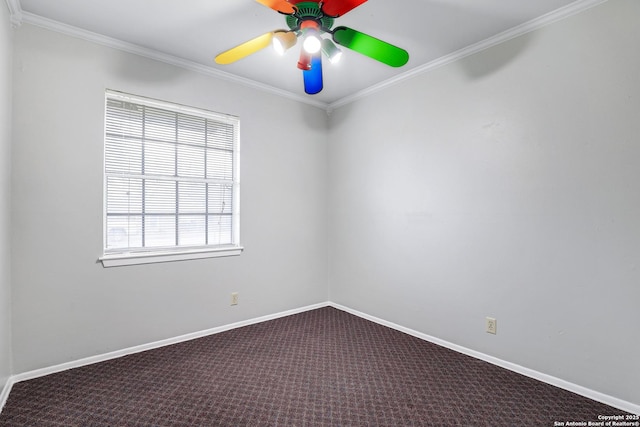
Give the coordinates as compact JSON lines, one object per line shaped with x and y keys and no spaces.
{"x":15,"y":12}
{"x":535,"y":24}
{"x":18,"y":17}
{"x":79,"y":33}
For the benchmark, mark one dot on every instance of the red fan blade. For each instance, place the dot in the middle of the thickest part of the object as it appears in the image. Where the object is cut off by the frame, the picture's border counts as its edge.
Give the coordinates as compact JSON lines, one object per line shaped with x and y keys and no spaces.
{"x":282,"y":6}
{"x":337,"y":8}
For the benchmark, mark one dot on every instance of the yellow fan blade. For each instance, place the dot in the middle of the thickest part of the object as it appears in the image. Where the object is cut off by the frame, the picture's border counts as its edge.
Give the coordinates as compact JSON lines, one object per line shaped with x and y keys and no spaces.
{"x":281,"y":6}
{"x":245,"y":49}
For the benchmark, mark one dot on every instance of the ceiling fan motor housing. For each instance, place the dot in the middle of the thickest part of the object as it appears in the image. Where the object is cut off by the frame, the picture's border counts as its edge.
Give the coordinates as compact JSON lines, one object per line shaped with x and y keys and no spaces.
{"x":309,"y":11}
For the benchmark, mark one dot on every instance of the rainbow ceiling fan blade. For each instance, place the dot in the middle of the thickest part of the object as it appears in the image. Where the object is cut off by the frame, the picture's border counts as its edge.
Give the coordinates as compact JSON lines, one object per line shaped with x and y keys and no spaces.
{"x":313,"y":76}
{"x":335,"y":8}
{"x":331,"y":8}
{"x":245,"y":49}
{"x":370,"y":46}
{"x":282,"y":6}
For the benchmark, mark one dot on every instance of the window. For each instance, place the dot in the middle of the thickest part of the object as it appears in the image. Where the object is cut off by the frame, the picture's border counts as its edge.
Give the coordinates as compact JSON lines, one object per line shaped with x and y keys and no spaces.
{"x":171,"y":182}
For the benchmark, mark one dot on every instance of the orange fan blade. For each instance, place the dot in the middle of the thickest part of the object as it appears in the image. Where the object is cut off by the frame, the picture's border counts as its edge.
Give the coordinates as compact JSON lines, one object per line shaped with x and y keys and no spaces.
{"x":282,"y":6}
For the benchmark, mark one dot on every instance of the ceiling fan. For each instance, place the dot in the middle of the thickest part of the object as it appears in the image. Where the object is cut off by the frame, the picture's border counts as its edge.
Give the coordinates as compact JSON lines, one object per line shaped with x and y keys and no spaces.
{"x":310,"y":20}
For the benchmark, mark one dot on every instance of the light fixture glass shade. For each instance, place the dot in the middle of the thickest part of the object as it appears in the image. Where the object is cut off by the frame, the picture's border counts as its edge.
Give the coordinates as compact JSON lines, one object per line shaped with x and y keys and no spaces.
{"x":283,"y":40}
{"x":331,"y":50}
{"x":312,"y":43}
{"x":304,"y":63}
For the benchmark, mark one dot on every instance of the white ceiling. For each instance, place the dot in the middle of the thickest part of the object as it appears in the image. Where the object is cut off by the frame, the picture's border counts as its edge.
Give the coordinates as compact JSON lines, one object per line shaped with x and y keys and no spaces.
{"x":195,"y":31}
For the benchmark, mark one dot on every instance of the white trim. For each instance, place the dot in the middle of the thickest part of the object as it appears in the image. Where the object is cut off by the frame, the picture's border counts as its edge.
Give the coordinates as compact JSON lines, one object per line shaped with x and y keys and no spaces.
{"x":564,"y":12}
{"x":79,"y":33}
{"x":548,"y":379}
{"x":172,"y":106}
{"x":15,"y":12}
{"x":527,"y":27}
{"x":157,"y":344}
{"x":4,"y":393}
{"x":135,"y":258}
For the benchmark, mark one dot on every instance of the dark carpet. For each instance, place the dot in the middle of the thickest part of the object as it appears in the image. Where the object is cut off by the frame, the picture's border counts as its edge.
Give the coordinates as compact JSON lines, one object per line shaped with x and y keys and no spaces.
{"x":320,"y":368}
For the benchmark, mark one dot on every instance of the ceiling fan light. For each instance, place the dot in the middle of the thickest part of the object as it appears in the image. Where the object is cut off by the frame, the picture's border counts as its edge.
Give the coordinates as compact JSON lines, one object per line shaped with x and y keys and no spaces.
{"x":304,"y":63}
{"x":331,"y":50}
{"x":284,"y":40}
{"x":312,"y":43}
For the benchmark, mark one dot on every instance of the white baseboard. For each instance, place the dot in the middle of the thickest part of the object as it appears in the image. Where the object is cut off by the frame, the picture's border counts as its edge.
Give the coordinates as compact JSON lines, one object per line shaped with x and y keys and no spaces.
{"x":150,"y":346}
{"x":574,"y":388}
{"x":4,"y":394}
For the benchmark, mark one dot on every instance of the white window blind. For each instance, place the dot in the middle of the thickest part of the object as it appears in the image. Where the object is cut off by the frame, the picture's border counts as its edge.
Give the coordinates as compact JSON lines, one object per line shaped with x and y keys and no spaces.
{"x":171,"y":178}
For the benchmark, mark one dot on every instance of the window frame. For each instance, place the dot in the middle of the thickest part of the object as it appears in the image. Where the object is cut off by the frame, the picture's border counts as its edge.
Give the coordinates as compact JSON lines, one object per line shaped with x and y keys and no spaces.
{"x":147,"y":255}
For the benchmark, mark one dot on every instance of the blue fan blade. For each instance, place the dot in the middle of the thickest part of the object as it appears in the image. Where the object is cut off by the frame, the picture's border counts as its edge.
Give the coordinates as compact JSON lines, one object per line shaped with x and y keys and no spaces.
{"x":313,"y":77}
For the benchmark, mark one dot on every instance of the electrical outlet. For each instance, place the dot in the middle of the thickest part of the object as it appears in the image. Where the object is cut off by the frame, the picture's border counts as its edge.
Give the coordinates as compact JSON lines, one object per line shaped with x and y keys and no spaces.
{"x":234,"y":298}
{"x":492,"y":325}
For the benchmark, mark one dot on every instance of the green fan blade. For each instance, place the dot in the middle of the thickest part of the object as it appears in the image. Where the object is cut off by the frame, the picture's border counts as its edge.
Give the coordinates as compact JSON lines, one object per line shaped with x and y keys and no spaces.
{"x":371,"y":46}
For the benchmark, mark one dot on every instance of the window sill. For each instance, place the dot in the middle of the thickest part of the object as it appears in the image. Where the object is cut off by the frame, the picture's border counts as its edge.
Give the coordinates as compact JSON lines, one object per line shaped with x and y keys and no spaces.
{"x":135,"y":258}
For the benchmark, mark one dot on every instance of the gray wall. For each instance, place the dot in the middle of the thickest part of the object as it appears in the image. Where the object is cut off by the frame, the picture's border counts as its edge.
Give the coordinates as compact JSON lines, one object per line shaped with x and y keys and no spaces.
{"x":506,"y":184}
{"x":5,"y":190}
{"x":66,"y":306}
